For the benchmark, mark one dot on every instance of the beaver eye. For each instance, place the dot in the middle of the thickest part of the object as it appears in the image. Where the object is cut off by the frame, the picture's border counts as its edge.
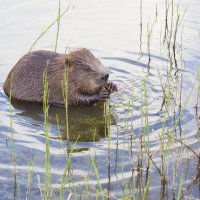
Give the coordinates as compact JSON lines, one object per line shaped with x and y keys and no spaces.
{"x":87,"y":69}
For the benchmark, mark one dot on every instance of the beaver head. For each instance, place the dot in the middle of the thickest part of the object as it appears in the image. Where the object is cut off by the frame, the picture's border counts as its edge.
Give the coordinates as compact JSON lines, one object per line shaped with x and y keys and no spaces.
{"x":86,"y":74}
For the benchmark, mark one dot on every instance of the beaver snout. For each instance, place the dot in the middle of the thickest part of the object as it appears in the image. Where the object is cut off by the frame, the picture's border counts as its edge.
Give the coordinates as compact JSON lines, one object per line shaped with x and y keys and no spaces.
{"x":105,"y":77}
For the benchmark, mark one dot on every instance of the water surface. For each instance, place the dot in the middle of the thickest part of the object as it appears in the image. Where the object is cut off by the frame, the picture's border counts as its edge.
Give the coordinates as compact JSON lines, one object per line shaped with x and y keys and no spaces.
{"x":112,"y":31}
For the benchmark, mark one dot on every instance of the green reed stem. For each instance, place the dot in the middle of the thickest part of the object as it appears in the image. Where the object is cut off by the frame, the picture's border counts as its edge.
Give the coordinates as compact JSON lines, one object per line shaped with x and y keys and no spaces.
{"x":48,"y":191}
{"x":47,"y":28}
{"x":180,"y":189}
{"x":86,"y":192}
{"x":16,"y":186}
{"x":146,"y":189}
{"x":30,"y":175}
{"x":58,"y":24}
{"x":146,"y":128}
{"x":184,"y":106}
{"x":67,"y":167}
{"x":65,"y":89}
{"x":199,"y":81}
{"x":97,"y":176}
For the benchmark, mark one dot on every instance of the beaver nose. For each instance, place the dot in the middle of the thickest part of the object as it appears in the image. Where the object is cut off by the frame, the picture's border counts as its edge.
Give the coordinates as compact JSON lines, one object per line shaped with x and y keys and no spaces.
{"x":105,"y":77}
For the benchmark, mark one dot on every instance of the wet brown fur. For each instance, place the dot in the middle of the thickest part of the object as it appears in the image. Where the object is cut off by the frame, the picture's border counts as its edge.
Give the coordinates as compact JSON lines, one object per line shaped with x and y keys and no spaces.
{"x":85,"y":84}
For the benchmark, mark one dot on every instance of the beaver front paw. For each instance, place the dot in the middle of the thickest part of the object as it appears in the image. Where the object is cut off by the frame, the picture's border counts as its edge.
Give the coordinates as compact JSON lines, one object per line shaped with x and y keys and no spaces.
{"x":103,"y":94}
{"x":111,"y":87}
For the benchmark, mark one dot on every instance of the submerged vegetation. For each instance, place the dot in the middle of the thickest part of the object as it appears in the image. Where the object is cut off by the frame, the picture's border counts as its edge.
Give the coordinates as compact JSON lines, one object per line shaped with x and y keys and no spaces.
{"x":134,"y":164}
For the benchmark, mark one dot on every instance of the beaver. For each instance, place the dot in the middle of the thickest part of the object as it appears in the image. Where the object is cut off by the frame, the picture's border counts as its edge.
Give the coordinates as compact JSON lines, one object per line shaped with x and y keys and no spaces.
{"x":87,"y":78}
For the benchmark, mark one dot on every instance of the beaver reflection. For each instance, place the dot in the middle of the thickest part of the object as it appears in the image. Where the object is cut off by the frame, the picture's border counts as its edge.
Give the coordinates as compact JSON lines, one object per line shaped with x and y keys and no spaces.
{"x":87,"y":123}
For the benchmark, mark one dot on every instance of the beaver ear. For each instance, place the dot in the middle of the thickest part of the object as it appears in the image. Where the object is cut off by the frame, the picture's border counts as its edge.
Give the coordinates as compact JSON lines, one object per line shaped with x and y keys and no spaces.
{"x":67,"y":62}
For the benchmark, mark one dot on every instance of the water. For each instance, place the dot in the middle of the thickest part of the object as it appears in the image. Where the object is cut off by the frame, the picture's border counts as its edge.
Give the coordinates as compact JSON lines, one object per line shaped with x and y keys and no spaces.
{"x":111,"y":30}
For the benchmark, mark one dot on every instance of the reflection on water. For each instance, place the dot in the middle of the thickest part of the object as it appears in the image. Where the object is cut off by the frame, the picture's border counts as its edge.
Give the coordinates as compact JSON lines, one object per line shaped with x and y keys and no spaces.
{"x":85,"y":123}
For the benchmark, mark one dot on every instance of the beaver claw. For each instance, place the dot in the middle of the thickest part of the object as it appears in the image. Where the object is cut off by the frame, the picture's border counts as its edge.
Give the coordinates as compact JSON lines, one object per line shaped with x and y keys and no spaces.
{"x":111,"y":87}
{"x":103,"y":94}
{"x":106,"y":91}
